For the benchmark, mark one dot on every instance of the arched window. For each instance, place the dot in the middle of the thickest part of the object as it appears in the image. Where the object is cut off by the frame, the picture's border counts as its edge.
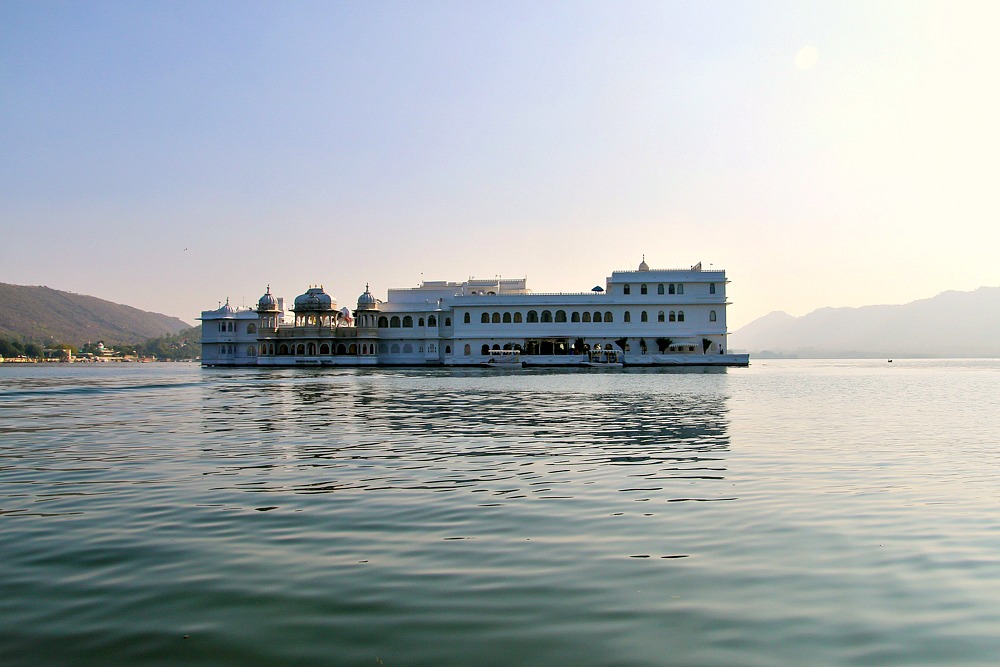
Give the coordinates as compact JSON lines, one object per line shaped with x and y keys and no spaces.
{"x":643,"y":290}
{"x":660,"y":317}
{"x":546,"y":316}
{"x":680,"y":289}
{"x":711,"y":288}
{"x":496,"y":318}
{"x":627,"y":289}
{"x":517,"y":318}
{"x":586,"y":317}
{"x":575,"y":317}
{"x":468,"y":350}
{"x":532,"y":316}
{"x":485,"y":319}
{"x":251,"y":328}
{"x":447,"y":349}
{"x":608,"y":317}
{"x":394,"y":322}
{"x":643,"y":317}
{"x":468,"y":319}
{"x":628,"y":316}
{"x":560,"y":316}
{"x":312,"y":349}
{"x":680,"y":315}
{"x":395,"y":348}
{"x":485,"y":350}
{"x":659,"y":289}
{"x":432,"y":321}
{"x":496,"y":346}
{"x":420,"y":322}
{"x":301,"y":349}
{"x":324,"y":349}
{"x":447,"y":321}
{"x":711,"y":316}
{"x":408,"y":322}
{"x":383,"y":321}
{"x":673,"y":316}
{"x":506,"y":318}
{"x":673,"y":290}
{"x":283,"y":349}
{"x":407,"y":349}
{"x":597,"y":316}
{"x":353,"y":349}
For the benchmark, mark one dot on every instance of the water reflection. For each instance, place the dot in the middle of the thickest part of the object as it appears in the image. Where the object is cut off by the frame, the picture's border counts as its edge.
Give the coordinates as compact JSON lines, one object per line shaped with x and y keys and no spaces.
{"x":547,"y":435}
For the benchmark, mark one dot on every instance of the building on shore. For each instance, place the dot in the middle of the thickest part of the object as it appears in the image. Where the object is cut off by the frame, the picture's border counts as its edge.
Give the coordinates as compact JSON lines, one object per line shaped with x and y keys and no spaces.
{"x":646,"y":316}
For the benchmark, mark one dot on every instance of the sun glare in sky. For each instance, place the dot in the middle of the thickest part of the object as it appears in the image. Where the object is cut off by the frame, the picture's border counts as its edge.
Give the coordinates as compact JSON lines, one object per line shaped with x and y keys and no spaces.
{"x":301,"y":143}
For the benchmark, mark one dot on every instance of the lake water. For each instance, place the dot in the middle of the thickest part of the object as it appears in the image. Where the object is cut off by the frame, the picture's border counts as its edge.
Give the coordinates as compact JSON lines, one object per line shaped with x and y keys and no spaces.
{"x":790,"y":513}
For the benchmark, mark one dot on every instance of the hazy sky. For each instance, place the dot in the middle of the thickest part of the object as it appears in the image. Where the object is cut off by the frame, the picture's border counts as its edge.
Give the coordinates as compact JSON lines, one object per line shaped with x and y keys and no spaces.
{"x":170,"y":154}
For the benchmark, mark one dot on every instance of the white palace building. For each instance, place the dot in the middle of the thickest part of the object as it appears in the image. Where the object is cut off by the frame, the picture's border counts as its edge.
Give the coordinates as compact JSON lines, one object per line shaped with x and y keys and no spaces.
{"x":641,"y":317}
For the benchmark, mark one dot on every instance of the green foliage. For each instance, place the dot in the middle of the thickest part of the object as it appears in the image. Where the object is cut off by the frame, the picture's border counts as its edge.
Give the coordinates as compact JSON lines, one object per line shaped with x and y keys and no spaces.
{"x":181,"y":346}
{"x":663,"y":344}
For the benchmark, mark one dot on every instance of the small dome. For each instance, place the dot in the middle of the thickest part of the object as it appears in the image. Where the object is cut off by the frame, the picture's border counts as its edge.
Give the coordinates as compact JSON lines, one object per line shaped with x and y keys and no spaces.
{"x":267,"y":302}
{"x":643,"y":266}
{"x":226,"y":309}
{"x":314,"y":299}
{"x":366,"y":300}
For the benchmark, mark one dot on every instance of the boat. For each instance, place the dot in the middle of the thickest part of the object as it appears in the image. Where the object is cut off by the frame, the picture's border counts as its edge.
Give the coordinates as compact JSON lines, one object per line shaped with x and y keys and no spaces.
{"x":504,"y":359}
{"x":606,"y":358}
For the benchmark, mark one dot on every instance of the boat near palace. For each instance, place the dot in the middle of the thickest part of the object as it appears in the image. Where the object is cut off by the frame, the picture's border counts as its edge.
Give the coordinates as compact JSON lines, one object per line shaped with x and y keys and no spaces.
{"x":639,"y":317}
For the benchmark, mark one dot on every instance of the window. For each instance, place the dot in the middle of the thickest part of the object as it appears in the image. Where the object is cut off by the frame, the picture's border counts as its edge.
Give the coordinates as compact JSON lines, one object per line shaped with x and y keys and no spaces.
{"x":408,"y":322}
{"x":251,"y":328}
{"x":659,"y":317}
{"x":517,"y":318}
{"x":420,"y":322}
{"x":407,"y":349}
{"x":353,"y":349}
{"x":575,"y":317}
{"x":341,"y":349}
{"x":673,"y":316}
{"x":597,"y":316}
{"x":506,"y":318}
{"x":608,"y":317}
{"x":383,"y":321}
{"x":711,"y":288}
{"x":711,"y":316}
{"x":432,"y":348}
{"x":496,"y":318}
{"x":680,"y":315}
{"x":680,"y":289}
{"x":627,"y":289}
{"x":447,"y":321}
{"x":532,"y":316}
{"x":394,"y":322}
{"x":251,"y":350}
{"x":447,"y":349}
{"x":301,"y":349}
{"x":432,"y":321}
{"x":586,"y":317}
{"x":673,"y":290}
{"x":659,"y":289}
{"x":628,"y":316}
{"x":485,"y":319}
{"x":643,"y":317}
{"x":643,"y":290}
{"x":485,"y":350}
{"x":395,"y":348}
{"x":546,"y":316}
{"x":283,"y":349}
{"x":468,"y":350}
{"x":324,"y":349}
{"x":468,"y":319}
{"x":560,"y":316}
{"x":312,"y":349}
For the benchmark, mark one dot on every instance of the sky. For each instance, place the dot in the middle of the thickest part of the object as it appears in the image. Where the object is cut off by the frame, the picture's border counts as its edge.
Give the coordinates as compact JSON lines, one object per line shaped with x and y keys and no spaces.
{"x":170,"y":155}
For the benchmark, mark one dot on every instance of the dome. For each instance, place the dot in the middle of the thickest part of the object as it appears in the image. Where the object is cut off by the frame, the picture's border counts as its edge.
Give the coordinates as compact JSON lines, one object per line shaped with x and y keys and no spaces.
{"x":267,"y":302}
{"x":643,"y":266}
{"x":226,"y":309}
{"x":366,"y":300}
{"x":314,"y":299}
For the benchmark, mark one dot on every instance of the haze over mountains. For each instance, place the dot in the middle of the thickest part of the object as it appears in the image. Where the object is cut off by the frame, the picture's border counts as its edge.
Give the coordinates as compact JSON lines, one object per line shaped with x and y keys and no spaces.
{"x":43,"y":314}
{"x":951,"y":324}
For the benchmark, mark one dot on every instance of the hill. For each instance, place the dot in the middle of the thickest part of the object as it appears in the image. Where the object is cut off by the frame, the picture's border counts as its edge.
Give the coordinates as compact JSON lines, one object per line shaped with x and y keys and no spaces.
{"x":951,"y":324}
{"x":43,"y":314}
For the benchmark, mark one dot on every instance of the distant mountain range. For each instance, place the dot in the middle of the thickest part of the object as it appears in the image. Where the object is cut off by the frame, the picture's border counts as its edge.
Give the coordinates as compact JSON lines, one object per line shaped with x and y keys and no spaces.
{"x":951,"y":324}
{"x":42,"y":314}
